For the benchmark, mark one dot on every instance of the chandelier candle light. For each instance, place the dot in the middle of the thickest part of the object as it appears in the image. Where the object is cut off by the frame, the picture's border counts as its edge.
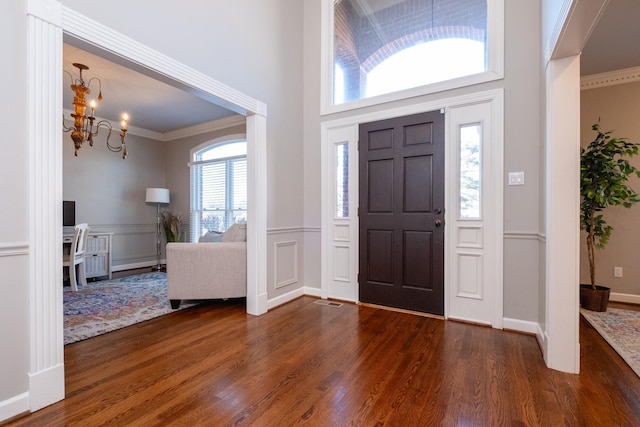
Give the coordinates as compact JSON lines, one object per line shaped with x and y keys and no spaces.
{"x":83,"y":126}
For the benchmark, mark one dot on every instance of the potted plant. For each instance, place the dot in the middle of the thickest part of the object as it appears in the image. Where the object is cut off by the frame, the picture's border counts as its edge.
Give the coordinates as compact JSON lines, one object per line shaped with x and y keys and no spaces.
{"x":172,"y":226}
{"x":604,"y":174}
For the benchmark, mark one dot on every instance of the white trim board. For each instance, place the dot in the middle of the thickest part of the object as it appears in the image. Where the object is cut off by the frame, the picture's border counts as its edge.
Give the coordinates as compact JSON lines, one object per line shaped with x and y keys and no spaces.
{"x":611,"y":78}
{"x":626,"y":298}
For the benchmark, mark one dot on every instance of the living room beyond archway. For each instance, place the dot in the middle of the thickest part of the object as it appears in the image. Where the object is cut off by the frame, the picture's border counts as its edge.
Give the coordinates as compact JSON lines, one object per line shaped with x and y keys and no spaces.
{"x":45,"y":31}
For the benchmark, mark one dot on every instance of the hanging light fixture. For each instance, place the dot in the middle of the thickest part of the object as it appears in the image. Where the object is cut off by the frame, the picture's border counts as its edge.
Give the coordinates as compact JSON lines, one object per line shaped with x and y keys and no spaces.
{"x":83,"y":128}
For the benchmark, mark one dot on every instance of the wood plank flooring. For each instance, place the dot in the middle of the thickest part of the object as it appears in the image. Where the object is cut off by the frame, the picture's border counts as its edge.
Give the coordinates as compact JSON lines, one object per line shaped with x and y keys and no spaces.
{"x":308,"y":364}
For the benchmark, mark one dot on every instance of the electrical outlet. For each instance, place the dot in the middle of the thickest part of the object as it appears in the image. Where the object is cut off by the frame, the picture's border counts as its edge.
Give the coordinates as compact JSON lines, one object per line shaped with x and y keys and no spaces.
{"x":617,"y":271}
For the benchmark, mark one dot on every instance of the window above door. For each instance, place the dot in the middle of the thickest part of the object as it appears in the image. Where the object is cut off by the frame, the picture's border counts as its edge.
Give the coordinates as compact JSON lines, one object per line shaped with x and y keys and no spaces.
{"x":376,"y":51}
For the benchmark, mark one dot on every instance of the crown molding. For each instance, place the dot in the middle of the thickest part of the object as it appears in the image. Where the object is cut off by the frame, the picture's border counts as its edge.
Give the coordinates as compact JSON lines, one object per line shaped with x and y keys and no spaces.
{"x":627,"y":75}
{"x":223,"y":123}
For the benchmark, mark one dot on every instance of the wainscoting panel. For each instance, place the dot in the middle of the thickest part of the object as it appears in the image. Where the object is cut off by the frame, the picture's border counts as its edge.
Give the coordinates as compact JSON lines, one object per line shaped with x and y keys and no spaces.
{"x":470,"y":275}
{"x":285,"y":263}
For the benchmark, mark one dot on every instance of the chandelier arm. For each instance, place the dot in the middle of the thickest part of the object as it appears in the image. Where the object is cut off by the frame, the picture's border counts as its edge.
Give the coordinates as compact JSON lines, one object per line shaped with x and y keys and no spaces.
{"x":69,"y":74}
{"x":99,"y":83}
{"x":66,"y":128}
{"x":107,"y":124}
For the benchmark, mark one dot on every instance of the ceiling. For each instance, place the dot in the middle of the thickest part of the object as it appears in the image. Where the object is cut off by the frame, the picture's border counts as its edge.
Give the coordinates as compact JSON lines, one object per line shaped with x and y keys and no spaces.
{"x":151,"y":105}
{"x":158,"y":107}
{"x":613,"y":44}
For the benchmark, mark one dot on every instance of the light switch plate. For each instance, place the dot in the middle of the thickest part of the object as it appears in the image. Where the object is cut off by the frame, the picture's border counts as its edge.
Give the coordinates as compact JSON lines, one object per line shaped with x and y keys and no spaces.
{"x":516,"y":178}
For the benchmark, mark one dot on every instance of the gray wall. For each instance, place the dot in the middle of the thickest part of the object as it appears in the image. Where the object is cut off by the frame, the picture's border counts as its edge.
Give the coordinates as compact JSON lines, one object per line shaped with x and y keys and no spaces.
{"x":177,"y":171}
{"x":522,"y":146}
{"x":110,"y":193}
{"x":617,"y":109}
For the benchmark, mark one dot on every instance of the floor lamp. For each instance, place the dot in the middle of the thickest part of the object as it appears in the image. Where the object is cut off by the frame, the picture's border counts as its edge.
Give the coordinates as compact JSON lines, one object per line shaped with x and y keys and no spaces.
{"x":157,"y":196}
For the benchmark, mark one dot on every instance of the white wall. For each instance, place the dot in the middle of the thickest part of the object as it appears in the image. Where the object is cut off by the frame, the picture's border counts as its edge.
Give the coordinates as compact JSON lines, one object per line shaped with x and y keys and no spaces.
{"x":14,"y":214}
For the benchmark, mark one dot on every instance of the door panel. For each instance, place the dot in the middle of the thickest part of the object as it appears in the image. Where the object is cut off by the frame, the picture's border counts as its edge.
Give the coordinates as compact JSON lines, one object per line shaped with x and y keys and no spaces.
{"x":401,"y":166}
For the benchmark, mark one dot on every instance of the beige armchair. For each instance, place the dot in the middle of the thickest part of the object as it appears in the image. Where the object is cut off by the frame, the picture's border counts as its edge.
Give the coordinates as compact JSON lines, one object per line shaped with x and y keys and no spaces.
{"x":208,"y":270}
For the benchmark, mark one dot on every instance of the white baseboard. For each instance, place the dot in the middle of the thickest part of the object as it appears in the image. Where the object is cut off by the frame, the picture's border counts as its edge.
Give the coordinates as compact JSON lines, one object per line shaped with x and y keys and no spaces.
{"x":15,"y":406}
{"x":285,"y":298}
{"x":312,"y":292}
{"x":46,"y":387}
{"x":628,"y":298}
{"x":133,"y":266}
{"x":520,"y":325}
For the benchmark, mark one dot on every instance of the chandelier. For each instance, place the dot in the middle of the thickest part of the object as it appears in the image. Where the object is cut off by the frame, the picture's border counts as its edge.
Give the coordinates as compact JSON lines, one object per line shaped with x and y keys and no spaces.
{"x":84,"y":128}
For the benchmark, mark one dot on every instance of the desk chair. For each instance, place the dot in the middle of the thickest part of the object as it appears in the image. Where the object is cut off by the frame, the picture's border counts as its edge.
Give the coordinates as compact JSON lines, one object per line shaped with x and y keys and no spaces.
{"x":76,"y":256}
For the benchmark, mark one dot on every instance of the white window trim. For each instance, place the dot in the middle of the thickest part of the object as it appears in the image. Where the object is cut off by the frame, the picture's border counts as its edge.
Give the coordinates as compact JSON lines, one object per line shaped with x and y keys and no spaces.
{"x":495,"y":64}
{"x":229,"y":139}
{"x":345,"y":130}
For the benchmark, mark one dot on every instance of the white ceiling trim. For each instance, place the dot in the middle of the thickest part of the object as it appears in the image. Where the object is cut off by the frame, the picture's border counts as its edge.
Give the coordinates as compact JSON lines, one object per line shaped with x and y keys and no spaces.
{"x":223,"y":123}
{"x":611,"y":78}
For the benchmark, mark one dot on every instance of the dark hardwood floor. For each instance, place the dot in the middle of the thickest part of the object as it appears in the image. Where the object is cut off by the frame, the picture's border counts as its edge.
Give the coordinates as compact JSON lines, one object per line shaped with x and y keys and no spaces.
{"x":308,"y":364}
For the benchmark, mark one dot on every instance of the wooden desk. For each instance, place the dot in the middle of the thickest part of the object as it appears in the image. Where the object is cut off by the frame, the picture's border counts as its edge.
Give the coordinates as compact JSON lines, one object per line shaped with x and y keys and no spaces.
{"x":97,"y":253}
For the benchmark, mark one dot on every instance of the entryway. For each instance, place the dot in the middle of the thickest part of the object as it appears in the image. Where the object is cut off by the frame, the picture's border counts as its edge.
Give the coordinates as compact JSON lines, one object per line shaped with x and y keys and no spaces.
{"x":469,"y":180}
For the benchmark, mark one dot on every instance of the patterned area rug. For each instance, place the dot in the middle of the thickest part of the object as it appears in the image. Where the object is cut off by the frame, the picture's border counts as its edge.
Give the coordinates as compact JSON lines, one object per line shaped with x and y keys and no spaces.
{"x":621,"y":329}
{"x":107,"y":305}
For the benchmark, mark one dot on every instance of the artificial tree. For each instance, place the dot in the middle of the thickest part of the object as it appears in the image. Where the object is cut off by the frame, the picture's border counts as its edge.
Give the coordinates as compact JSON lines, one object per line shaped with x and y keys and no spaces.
{"x":604,"y":181}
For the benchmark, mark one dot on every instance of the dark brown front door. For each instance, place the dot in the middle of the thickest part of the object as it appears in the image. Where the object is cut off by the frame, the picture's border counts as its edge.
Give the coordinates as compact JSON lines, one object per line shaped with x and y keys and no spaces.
{"x":402,"y":212}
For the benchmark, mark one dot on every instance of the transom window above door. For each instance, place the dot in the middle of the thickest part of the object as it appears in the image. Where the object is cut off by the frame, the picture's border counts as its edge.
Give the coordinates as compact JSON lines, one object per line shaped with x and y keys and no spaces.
{"x":383,"y":50}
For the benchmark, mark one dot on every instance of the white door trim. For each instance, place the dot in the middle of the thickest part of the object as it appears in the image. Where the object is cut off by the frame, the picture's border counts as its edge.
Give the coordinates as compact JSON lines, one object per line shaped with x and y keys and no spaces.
{"x":345,"y":130}
{"x":47,"y":20}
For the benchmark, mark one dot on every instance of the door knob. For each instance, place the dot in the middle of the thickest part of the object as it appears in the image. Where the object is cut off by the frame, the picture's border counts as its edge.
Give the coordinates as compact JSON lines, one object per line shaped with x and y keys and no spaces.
{"x":438,"y":211}
{"x":438,"y":223}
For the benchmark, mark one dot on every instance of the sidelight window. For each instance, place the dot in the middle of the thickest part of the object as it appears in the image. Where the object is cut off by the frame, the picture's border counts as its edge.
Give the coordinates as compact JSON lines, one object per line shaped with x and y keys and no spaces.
{"x":469,"y":139}
{"x":342,"y":180}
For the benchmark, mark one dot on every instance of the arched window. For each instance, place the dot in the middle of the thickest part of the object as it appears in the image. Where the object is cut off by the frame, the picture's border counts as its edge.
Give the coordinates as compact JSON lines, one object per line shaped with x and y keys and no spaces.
{"x":218,"y":187}
{"x":426,"y":63}
{"x":395,"y":49}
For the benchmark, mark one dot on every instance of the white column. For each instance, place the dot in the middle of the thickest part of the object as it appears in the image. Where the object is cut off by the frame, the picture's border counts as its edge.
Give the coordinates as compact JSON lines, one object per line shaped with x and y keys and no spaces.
{"x":562,"y":187}
{"x":257,"y":211}
{"x":46,"y":374}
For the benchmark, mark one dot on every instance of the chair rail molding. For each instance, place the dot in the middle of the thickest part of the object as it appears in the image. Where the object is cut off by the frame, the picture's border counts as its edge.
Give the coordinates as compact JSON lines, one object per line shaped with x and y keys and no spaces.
{"x":14,"y":249}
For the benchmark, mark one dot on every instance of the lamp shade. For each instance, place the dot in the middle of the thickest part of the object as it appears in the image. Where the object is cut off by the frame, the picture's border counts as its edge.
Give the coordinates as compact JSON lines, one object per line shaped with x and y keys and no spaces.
{"x":157,"y":195}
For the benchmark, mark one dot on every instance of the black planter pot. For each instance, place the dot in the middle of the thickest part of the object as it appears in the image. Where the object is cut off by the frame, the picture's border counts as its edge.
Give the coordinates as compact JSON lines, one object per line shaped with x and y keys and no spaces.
{"x":594,"y":299}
